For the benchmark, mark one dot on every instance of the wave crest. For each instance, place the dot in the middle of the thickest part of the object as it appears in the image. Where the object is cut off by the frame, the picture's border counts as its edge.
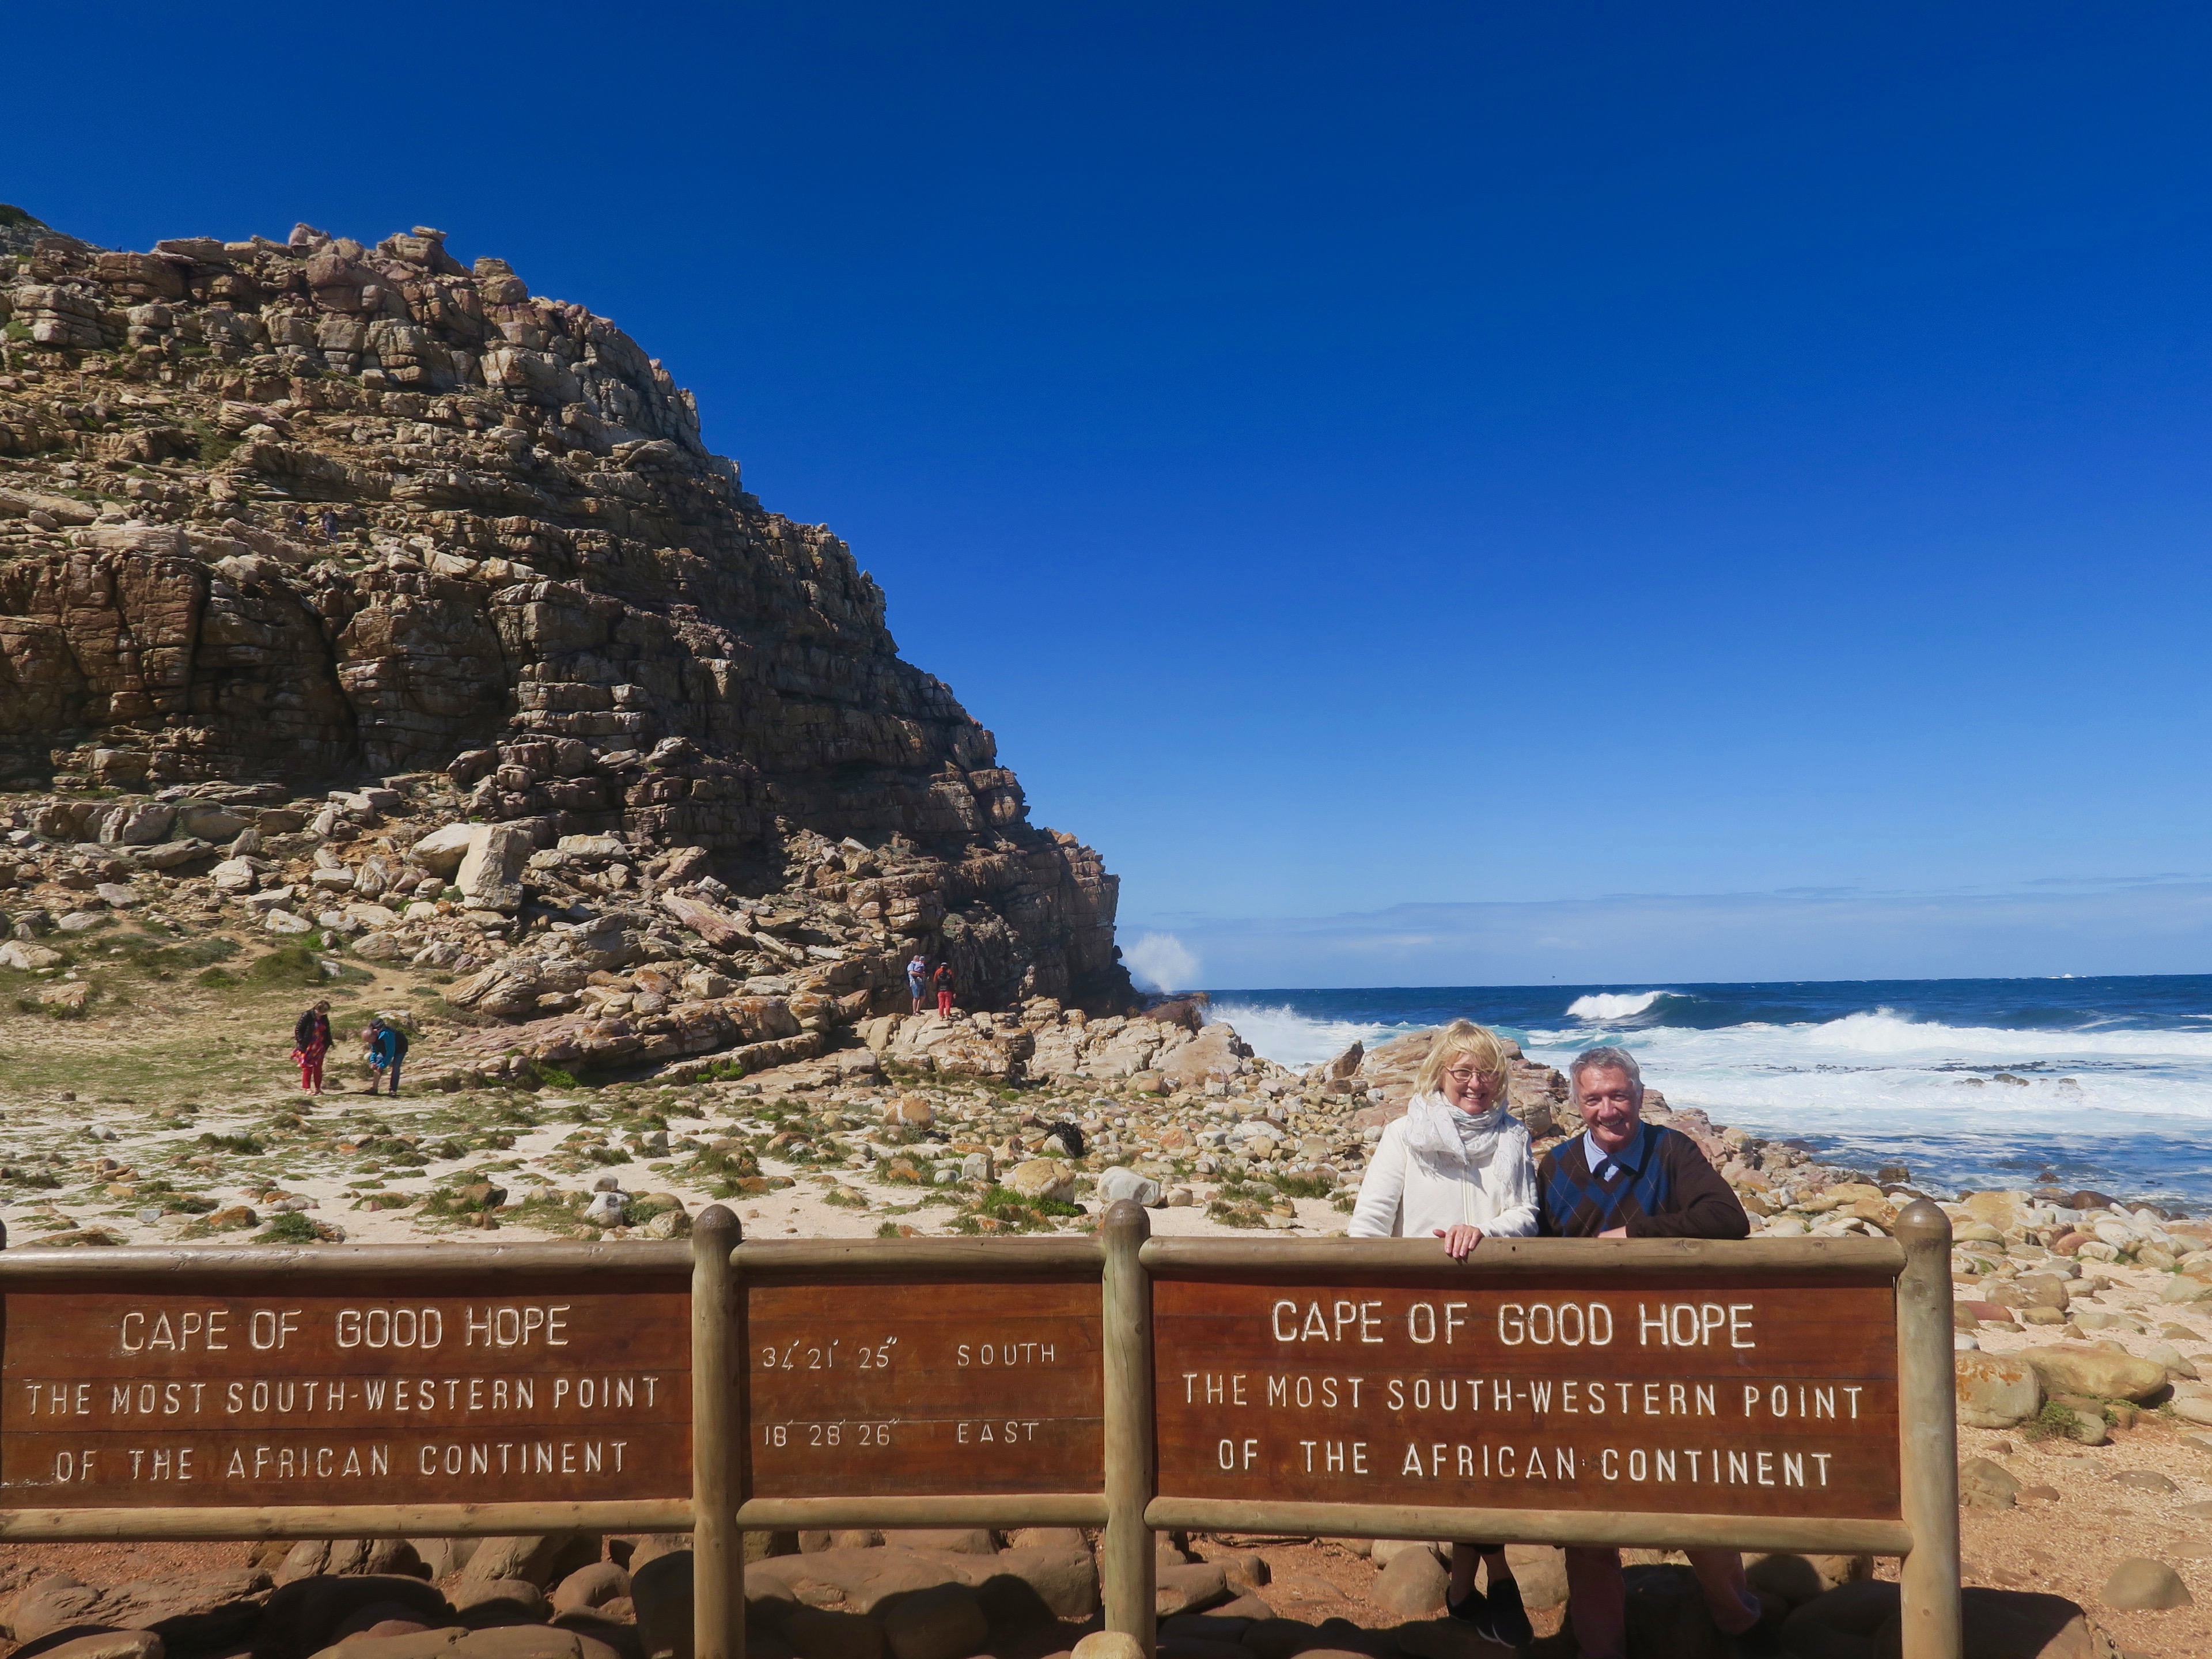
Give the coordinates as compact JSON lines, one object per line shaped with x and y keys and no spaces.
{"x":1619,"y":1007}
{"x":1290,"y":1038}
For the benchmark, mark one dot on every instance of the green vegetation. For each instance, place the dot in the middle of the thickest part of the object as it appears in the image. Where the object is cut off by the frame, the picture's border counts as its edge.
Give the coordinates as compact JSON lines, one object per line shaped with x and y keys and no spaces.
{"x":1002,"y":1210}
{"x":289,"y":965}
{"x":14,"y":218}
{"x":289,"y":1228}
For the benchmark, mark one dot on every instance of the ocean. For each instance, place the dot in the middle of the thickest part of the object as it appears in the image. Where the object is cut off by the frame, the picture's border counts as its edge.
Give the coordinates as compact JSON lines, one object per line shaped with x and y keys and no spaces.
{"x":1973,"y":1083}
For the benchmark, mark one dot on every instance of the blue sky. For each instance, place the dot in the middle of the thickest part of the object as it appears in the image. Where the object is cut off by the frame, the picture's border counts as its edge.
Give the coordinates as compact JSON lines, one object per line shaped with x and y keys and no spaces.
{"x":1361,"y":457}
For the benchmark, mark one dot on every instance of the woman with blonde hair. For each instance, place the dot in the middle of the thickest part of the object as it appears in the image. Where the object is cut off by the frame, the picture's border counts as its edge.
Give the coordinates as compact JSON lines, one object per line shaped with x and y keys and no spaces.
{"x":1458,"y":1167}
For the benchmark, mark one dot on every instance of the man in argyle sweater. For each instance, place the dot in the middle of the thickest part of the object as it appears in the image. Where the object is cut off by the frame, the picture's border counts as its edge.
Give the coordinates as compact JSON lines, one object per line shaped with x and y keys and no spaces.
{"x":1625,"y":1178}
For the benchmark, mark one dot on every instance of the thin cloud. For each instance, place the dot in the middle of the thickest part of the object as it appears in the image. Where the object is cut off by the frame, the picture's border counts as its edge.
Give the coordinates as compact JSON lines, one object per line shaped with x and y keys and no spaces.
{"x":2113,"y":925}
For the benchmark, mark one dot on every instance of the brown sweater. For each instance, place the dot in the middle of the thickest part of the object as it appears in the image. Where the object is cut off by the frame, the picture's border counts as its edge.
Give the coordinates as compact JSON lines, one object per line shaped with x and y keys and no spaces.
{"x":1661,"y":1187}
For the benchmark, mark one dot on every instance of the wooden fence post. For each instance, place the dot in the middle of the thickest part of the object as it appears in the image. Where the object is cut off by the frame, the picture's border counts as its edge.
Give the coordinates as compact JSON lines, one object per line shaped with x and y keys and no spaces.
{"x":1928,"y":1434}
{"x":718,"y":1553}
{"x":1126,"y":1558}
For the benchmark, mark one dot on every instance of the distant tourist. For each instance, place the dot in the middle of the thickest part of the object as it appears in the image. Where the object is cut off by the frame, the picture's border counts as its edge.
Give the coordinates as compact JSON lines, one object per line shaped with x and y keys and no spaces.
{"x":1457,"y":1167}
{"x":310,"y":1042}
{"x":917,"y":977}
{"x":1625,"y":1178}
{"x":330,"y":525}
{"x":944,"y":982}
{"x":387,"y":1047}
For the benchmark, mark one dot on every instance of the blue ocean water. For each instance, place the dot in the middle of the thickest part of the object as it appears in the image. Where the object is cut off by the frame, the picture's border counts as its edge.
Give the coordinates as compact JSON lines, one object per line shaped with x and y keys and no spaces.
{"x":1974,"y":1082}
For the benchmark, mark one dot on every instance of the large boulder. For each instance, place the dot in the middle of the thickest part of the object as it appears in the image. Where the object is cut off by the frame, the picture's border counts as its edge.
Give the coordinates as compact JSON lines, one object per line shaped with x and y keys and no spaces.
{"x":1863,"y":1621}
{"x":957,"y":1540}
{"x":491,"y":876}
{"x":819,"y":1633}
{"x":2105,"y":1373}
{"x":303,"y":1616}
{"x":1118,"y":1183}
{"x":1996,"y":1391}
{"x":1794,"y":1580}
{"x":591,"y":1587}
{"x":944,"y":1623}
{"x":660,"y":1593}
{"x":1214,"y":1055}
{"x":2141,"y":1585}
{"x":1188,"y":1586}
{"x":1984,"y":1485}
{"x":188,"y":1610}
{"x":383,"y":1641}
{"x":1059,"y":1580}
{"x":1043,"y":1177}
{"x":441,"y":851}
{"x":311,"y":1556}
{"x":483,"y":1602}
{"x":98,"y":1644}
{"x":1413,"y":1586}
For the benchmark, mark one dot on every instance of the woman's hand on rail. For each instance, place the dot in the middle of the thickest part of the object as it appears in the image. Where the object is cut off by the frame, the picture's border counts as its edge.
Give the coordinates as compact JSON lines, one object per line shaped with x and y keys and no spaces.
{"x":1460,"y":1240}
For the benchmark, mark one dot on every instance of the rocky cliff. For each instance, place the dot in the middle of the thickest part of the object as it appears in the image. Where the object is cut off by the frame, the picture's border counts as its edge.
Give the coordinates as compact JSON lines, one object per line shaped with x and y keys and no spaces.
{"x":312,"y":514}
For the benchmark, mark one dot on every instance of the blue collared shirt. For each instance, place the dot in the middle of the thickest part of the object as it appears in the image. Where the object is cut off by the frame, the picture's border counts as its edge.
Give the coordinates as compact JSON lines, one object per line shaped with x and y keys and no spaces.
{"x":1604,"y":1164}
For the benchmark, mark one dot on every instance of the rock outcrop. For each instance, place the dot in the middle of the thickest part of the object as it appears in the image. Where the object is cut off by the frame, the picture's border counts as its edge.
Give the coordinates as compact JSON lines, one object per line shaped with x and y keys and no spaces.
{"x":316,"y":514}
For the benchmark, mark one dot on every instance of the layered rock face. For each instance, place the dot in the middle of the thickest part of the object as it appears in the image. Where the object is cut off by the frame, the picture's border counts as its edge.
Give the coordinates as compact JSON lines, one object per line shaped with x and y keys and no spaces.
{"x":314,"y":513}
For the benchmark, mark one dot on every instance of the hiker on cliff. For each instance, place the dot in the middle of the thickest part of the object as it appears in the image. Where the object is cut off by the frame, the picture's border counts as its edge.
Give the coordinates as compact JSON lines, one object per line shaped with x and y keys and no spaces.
{"x":387,"y":1047}
{"x":1457,"y":1167}
{"x":310,"y":1042}
{"x":945,"y":982}
{"x":1625,"y":1178}
{"x":917,"y":972}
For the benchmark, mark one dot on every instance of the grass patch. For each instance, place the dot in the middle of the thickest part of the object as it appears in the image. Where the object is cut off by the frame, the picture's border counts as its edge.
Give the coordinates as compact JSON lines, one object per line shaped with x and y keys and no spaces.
{"x":243,"y":1146}
{"x":2053,"y":1422}
{"x":292,"y":1227}
{"x":1303,"y":1186}
{"x":289,"y":965}
{"x":152,"y":953}
{"x":1002,"y":1210}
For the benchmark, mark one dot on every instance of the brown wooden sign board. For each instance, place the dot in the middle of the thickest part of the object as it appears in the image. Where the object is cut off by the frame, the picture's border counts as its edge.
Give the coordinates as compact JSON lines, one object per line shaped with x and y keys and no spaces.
{"x":923,"y":1386}
{"x":322,"y":1393}
{"x":1704,"y":1392}
{"x":1794,"y":1393}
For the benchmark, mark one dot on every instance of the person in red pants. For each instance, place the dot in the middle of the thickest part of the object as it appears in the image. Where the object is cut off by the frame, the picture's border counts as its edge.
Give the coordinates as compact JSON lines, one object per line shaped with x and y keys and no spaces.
{"x":310,"y":1042}
{"x":944,"y":982}
{"x":1625,"y":1178}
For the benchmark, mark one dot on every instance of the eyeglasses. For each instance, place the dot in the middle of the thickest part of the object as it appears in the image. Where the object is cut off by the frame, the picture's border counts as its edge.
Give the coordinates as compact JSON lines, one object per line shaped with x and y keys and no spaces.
{"x":1464,"y":1075}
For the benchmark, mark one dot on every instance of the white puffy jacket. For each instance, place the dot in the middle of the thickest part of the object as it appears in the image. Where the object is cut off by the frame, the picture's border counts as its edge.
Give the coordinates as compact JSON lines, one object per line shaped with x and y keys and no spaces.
{"x":1404,"y":1195}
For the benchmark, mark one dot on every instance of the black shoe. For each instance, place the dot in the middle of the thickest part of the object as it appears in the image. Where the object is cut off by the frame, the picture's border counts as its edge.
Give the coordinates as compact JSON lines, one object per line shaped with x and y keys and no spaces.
{"x":1509,"y":1619}
{"x":1473,"y":1609}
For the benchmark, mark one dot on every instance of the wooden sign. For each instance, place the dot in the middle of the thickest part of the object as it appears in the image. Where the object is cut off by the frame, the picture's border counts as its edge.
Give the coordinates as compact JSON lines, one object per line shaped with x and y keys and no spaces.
{"x":1710,"y":1392}
{"x":920,"y":1387}
{"x":138,"y":1394}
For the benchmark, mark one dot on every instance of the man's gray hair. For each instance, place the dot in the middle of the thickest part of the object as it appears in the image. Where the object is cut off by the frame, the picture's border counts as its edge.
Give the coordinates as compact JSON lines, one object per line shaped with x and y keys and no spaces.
{"x":1606,"y":1059}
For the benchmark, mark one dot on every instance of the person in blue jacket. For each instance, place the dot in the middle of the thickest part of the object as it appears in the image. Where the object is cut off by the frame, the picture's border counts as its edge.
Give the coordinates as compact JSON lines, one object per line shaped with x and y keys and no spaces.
{"x":387,"y":1047}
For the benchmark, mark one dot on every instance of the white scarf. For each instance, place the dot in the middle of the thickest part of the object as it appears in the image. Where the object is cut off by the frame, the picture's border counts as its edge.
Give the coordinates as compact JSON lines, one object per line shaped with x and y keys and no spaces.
{"x":1457,"y":1143}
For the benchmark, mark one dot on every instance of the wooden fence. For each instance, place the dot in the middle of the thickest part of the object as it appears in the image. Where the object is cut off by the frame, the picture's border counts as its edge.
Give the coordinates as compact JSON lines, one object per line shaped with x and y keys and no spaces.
{"x":1771,"y":1394}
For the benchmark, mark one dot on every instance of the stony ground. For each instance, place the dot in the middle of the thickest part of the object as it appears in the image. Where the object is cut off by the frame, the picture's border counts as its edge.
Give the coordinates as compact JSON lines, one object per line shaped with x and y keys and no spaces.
{"x":167,"y":1111}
